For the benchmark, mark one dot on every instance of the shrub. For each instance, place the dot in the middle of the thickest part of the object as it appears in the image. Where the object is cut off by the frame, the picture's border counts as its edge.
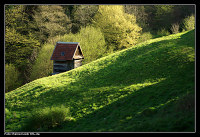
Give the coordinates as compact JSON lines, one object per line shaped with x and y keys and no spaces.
{"x":47,"y":118}
{"x":163,"y":32}
{"x":11,"y":77}
{"x":175,"y":28}
{"x":92,"y":43}
{"x":145,"y":36}
{"x":189,"y":23}
{"x":43,"y":66}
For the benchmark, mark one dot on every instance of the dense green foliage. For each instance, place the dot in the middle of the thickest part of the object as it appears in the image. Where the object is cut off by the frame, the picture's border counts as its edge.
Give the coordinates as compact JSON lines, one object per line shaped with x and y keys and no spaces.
{"x":51,"y":21}
{"x":20,"y":51}
{"x":189,"y":22}
{"x":18,"y":48}
{"x":43,"y":66}
{"x":148,"y":87}
{"x":119,"y":28}
{"x":12,"y":77}
{"x":145,"y":36}
{"x":20,"y":43}
{"x":81,"y":16}
{"x":163,"y":16}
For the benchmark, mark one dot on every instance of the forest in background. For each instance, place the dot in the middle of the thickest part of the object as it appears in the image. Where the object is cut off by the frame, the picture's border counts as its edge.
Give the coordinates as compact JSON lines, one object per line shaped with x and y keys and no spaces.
{"x":31,"y":32}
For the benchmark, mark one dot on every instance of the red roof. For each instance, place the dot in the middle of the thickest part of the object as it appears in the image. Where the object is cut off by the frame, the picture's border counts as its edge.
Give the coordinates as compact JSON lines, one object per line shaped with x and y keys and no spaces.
{"x":64,"y":50}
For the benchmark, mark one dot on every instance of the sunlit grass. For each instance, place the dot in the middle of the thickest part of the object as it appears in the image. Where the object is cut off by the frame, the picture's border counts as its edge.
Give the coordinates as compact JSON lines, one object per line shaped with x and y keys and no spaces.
{"x":136,"y":89}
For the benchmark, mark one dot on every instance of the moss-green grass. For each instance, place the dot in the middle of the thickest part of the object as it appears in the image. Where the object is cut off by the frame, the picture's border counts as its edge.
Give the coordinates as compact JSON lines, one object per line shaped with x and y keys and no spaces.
{"x":147,"y":88}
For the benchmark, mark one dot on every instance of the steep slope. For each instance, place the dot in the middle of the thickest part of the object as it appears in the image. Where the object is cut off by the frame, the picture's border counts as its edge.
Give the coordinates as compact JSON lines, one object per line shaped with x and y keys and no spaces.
{"x":149,"y":87}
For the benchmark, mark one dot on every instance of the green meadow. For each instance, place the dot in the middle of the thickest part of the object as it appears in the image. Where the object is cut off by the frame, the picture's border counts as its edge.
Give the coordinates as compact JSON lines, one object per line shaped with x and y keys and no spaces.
{"x":149,"y":87}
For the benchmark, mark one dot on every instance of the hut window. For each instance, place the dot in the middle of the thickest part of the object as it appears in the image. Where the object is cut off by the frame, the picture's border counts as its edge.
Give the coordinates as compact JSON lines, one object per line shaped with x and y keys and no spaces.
{"x":62,"y":53}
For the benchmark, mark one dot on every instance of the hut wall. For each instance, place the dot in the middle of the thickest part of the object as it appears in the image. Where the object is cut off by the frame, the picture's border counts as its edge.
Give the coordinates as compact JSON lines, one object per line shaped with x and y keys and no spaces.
{"x":62,"y":66}
{"x":77,"y":63}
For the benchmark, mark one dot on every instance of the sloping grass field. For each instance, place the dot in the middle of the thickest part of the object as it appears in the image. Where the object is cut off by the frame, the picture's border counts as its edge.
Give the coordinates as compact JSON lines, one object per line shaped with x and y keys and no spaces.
{"x":147,"y":88}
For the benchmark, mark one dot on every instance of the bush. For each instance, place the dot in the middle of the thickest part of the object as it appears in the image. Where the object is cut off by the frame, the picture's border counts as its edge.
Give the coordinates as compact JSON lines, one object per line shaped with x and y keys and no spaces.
{"x":92,"y":43}
{"x":11,"y":77}
{"x":163,"y":32}
{"x":145,"y":36}
{"x":189,"y":23}
{"x":43,"y":66}
{"x":47,"y":118}
{"x":175,"y":28}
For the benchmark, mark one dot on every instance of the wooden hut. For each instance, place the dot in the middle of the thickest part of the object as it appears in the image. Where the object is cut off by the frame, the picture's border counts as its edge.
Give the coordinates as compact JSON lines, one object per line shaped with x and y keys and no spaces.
{"x":66,"y":56}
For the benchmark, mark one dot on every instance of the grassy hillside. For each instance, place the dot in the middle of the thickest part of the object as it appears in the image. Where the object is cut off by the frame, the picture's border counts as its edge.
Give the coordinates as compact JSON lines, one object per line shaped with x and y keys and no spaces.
{"x":149,"y":87}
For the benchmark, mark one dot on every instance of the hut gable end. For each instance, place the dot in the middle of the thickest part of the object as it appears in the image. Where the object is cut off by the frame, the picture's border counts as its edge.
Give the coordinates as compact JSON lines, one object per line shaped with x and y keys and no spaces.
{"x":78,"y":54}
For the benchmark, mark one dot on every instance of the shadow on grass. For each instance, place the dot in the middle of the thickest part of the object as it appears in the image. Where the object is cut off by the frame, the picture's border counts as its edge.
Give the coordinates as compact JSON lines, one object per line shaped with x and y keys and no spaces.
{"x":150,"y":109}
{"x":179,"y":81}
{"x":145,"y":64}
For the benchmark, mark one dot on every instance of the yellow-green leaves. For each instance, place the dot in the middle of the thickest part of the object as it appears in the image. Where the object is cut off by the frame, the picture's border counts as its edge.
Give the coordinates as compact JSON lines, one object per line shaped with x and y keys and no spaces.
{"x":120,"y":29}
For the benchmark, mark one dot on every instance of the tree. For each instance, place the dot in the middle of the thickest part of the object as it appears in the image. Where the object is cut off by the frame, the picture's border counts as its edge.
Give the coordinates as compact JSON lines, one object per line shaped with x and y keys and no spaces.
{"x":141,"y":15}
{"x":20,"y":42}
{"x":119,"y":28}
{"x":81,"y":16}
{"x":15,"y":17}
{"x":92,"y":43}
{"x":43,"y":66}
{"x":18,"y":51}
{"x":51,"y":20}
{"x":164,"y":16}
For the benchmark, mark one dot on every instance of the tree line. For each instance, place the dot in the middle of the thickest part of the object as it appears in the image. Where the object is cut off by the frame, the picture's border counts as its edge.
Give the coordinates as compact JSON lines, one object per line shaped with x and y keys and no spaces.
{"x":31,"y":32}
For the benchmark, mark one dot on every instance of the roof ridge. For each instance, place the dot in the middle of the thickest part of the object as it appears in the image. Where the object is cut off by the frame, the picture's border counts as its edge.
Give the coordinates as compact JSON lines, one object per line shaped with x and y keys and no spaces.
{"x":60,"y":42}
